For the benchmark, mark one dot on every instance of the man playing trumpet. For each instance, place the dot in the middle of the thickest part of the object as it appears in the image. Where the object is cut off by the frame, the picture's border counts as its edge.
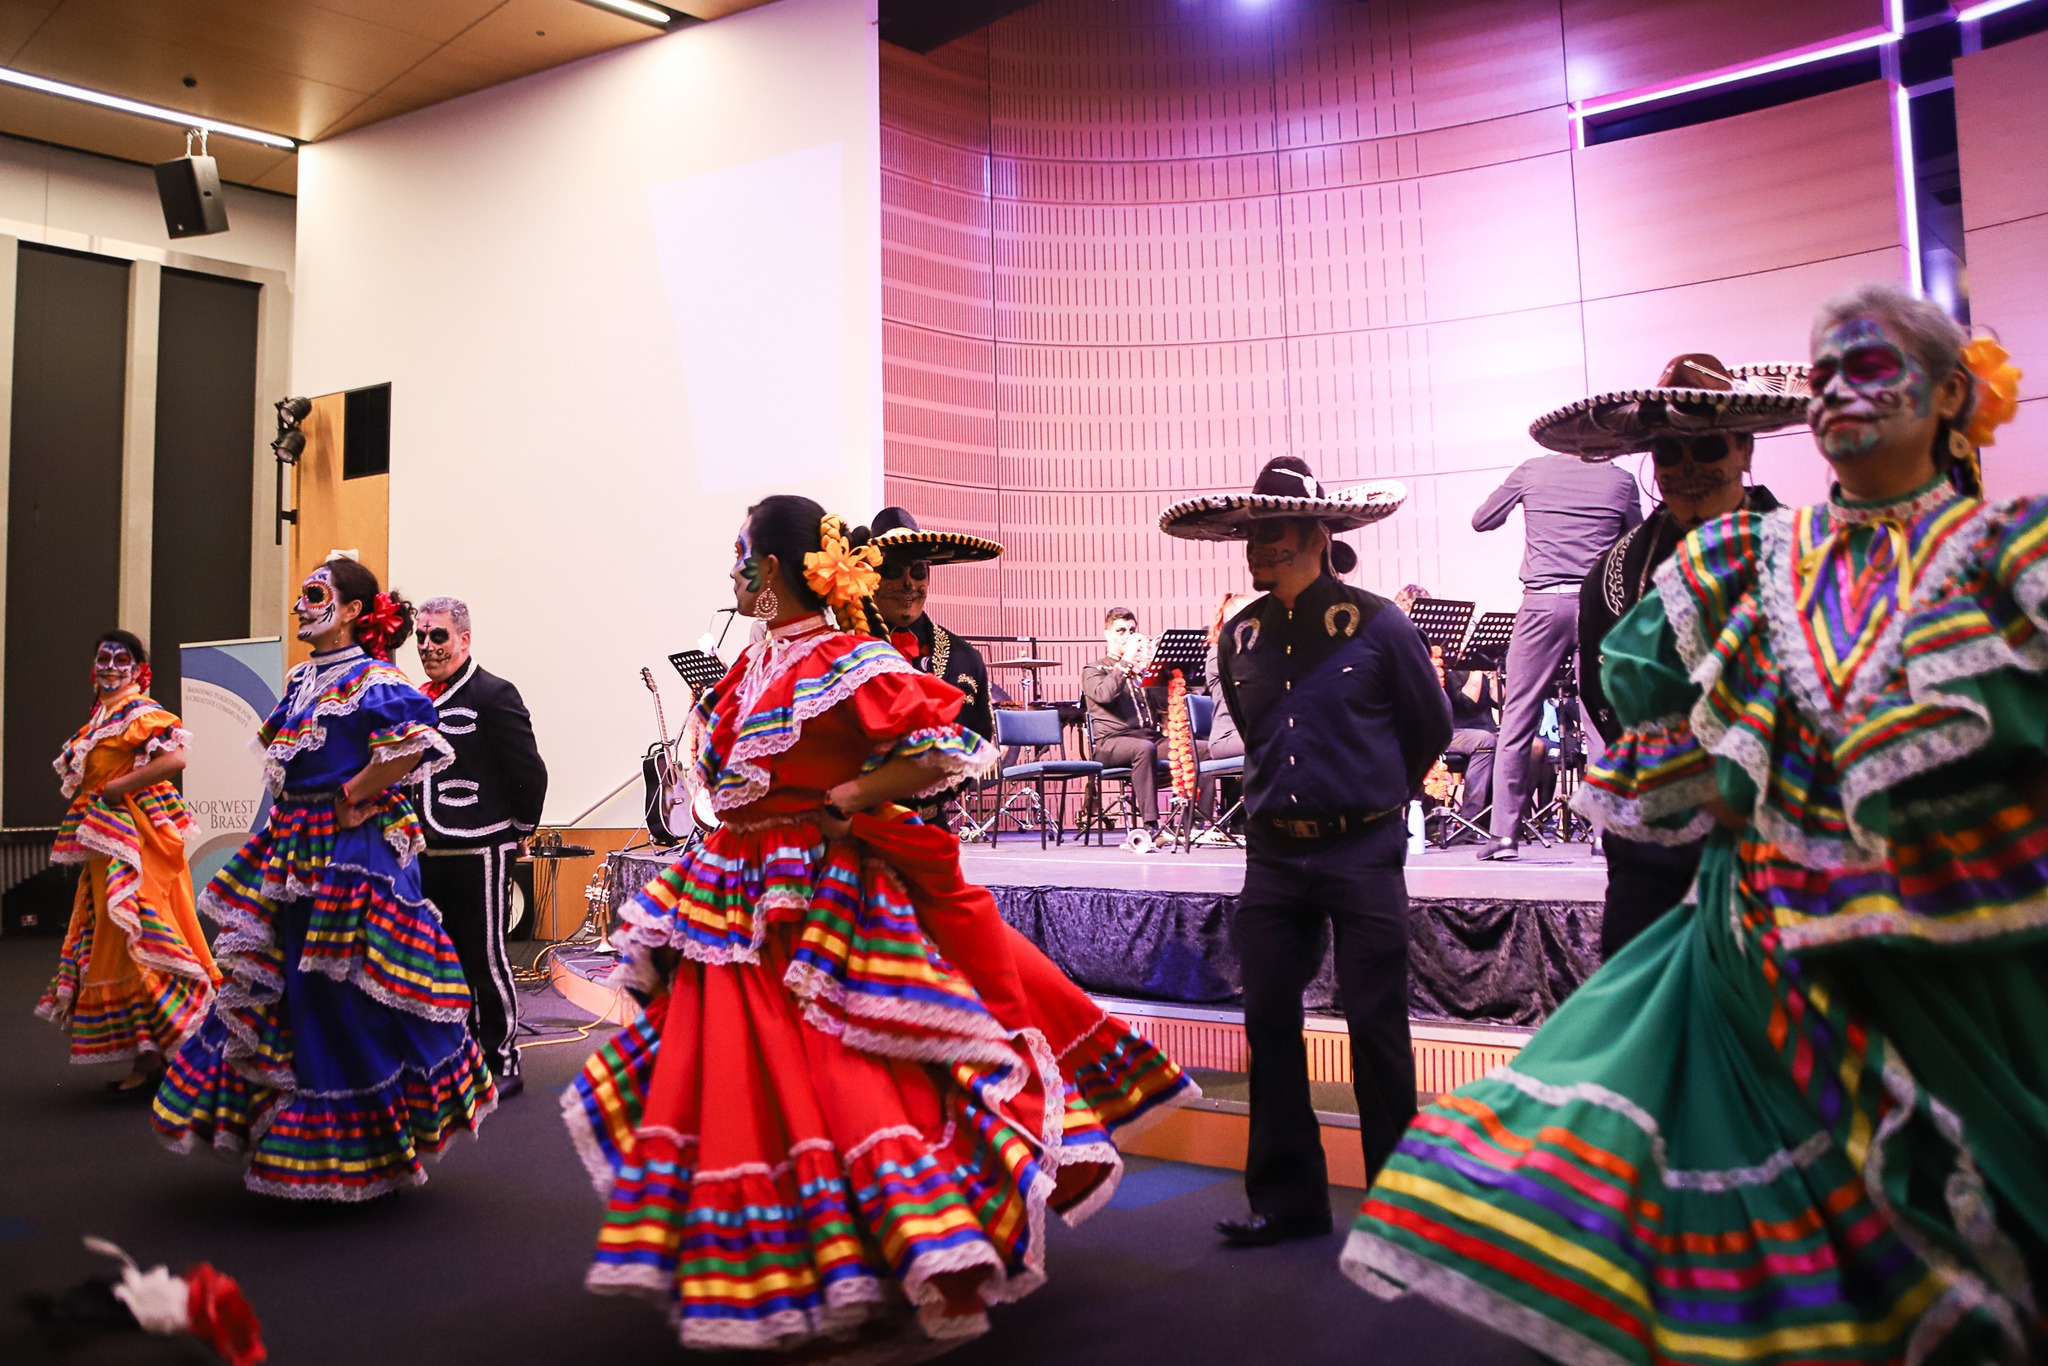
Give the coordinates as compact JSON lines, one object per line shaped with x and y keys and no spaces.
{"x":1126,"y":729}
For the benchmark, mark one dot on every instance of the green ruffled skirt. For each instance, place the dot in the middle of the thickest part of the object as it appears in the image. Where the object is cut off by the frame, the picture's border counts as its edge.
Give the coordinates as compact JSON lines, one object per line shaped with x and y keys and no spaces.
{"x":1715,"y":1152}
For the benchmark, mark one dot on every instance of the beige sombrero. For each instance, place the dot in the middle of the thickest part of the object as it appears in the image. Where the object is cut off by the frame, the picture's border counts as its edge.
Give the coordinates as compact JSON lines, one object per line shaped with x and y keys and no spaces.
{"x":1696,"y":394}
{"x":1285,"y":488}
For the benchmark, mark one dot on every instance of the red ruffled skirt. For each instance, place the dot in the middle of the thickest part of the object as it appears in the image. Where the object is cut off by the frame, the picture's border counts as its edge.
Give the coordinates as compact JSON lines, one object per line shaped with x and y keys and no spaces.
{"x":846,"y":1136}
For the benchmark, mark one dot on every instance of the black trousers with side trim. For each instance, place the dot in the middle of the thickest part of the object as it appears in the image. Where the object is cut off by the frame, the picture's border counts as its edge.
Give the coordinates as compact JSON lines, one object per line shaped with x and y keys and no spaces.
{"x":1356,"y":886}
{"x":470,"y":888}
{"x":1644,"y":881}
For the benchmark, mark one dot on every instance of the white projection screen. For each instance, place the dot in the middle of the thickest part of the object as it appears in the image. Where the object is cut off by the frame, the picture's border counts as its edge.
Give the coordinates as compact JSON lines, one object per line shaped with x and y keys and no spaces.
{"x":617,"y":302}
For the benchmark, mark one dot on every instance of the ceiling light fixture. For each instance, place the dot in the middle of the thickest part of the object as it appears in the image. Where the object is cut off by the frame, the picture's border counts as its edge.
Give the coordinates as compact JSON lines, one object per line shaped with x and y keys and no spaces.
{"x":148,"y":111}
{"x":1987,"y":9}
{"x":633,"y":9}
{"x":1585,"y":109}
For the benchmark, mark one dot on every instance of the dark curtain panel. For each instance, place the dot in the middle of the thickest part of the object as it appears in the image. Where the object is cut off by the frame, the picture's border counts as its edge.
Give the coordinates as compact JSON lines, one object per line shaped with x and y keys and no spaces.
{"x":63,"y":508}
{"x":205,"y":432}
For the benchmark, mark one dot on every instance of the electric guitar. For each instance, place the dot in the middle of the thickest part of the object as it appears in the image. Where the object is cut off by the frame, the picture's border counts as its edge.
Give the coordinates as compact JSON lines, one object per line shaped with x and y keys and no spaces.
{"x":667,"y":798}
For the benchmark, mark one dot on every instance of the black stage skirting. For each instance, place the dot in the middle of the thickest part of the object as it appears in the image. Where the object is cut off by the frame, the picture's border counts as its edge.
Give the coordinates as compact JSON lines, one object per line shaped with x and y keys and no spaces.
{"x":1498,"y":962}
{"x":1490,"y":961}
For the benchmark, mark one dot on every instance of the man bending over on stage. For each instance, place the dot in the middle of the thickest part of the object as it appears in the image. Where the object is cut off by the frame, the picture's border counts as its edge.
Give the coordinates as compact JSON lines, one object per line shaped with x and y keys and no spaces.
{"x":1572,"y":511}
{"x":1342,"y":715}
{"x":477,"y":812}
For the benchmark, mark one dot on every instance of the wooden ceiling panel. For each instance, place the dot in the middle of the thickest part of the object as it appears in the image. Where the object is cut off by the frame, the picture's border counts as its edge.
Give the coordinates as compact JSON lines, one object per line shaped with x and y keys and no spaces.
{"x":25,"y":113}
{"x":18,"y":20}
{"x":284,"y":179}
{"x":373,"y":109}
{"x":302,"y":40}
{"x":533,"y":35}
{"x":437,"y":20}
{"x":154,"y":70}
{"x":449,"y":72}
{"x":307,"y":69}
{"x":715,"y":9}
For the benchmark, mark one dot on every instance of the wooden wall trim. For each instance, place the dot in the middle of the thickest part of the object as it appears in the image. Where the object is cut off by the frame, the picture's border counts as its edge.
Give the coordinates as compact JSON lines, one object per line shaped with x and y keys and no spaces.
{"x":138,"y":446}
{"x":9,"y":260}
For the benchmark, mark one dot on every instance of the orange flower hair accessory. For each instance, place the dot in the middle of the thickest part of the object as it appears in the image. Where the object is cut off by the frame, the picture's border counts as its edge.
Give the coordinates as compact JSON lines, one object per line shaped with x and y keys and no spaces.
{"x":1998,"y":390}
{"x":842,"y":575}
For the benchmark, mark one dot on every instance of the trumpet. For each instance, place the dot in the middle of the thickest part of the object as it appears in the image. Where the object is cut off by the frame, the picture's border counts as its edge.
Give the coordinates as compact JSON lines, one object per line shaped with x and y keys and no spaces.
{"x":1137,"y":654}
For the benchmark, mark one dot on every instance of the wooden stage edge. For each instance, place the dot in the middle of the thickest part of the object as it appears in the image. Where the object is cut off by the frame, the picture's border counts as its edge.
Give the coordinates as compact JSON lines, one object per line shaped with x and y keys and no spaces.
{"x":1212,"y":1133}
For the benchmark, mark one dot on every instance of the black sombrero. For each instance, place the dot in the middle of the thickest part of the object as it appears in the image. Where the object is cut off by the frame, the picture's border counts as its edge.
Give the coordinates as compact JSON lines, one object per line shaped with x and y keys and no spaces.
{"x":1696,"y":394}
{"x":897,"y":534}
{"x":1285,"y":488}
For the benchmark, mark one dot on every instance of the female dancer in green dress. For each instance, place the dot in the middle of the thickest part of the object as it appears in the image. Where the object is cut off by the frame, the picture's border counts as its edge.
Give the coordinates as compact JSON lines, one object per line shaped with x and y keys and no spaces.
{"x":1805,"y":1117}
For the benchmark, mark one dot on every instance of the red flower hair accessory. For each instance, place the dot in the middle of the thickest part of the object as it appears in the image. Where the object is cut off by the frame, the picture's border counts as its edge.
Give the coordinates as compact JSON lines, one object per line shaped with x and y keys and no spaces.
{"x":380,"y":625}
{"x":142,"y":676}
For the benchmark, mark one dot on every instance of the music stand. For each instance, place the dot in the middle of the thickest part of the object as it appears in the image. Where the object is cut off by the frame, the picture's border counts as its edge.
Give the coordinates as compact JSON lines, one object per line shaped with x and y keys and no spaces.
{"x":1487,"y":650}
{"x":698,"y":669}
{"x":1442,"y":622}
{"x":1185,"y":648}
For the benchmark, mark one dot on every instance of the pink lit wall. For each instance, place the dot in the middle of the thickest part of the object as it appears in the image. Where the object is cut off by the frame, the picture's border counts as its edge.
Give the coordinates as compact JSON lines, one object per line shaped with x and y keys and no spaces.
{"x":1132,"y":251}
{"x":2002,"y":120}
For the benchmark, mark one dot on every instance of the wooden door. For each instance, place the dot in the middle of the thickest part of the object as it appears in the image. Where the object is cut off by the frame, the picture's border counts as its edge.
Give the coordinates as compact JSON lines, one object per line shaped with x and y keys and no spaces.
{"x":335,"y":512}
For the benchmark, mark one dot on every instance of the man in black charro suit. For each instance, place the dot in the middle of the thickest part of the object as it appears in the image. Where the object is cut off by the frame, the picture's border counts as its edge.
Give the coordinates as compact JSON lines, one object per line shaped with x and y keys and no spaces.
{"x":478,"y":812}
{"x":1342,"y":715}
{"x":908,"y":554}
{"x":1698,"y":424}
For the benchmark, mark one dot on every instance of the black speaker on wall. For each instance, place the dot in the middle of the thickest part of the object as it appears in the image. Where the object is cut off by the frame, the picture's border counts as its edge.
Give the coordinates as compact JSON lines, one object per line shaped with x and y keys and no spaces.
{"x":189,"y":190}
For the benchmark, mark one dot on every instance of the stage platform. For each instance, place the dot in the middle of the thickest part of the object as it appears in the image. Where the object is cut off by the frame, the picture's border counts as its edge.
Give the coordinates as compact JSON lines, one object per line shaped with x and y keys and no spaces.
{"x":1568,"y":872}
{"x":1210,"y":1044}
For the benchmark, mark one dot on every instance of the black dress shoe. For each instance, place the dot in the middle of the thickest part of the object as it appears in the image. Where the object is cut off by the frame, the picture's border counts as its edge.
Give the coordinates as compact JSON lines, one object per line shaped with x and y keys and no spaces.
{"x":1501,"y":851}
{"x":511,"y":1086}
{"x":1259,"y":1231}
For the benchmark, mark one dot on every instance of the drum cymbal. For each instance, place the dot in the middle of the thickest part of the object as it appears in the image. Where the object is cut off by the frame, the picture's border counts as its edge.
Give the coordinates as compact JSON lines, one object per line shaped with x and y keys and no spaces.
{"x":1024,"y":662}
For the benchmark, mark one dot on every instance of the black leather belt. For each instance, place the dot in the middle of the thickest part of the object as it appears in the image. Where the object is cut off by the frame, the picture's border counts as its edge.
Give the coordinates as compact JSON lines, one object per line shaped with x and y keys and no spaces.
{"x":1326,"y":827}
{"x":323,"y":796}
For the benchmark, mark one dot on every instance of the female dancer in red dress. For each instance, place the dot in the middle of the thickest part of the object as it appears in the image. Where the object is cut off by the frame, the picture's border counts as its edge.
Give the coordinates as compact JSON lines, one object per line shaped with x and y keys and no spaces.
{"x":855,"y":1091}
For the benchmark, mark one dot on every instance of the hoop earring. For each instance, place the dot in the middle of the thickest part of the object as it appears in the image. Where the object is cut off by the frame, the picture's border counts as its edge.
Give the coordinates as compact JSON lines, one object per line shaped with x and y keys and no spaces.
{"x":767,"y":604}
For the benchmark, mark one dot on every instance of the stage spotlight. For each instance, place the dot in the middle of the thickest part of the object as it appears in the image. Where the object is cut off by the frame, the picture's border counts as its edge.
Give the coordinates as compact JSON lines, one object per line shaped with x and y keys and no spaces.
{"x":292,"y":411}
{"x":289,"y":446}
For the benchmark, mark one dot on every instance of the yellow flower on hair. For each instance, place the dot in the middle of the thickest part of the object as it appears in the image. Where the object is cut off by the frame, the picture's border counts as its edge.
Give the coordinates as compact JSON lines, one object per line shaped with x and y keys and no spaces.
{"x":1997,"y":390}
{"x":840,"y":574}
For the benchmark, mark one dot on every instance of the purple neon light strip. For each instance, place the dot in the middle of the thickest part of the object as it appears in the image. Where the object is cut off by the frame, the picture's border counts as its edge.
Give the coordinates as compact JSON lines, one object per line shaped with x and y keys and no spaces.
{"x":1729,"y":75}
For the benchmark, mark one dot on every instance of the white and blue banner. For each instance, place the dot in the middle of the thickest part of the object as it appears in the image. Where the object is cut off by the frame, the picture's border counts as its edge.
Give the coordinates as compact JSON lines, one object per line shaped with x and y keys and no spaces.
{"x":230,"y":688}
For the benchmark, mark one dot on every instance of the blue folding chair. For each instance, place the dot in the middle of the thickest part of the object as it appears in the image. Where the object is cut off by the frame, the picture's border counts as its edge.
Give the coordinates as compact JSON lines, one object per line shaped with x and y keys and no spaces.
{"x":1035,"y":729}
{"x":1096,"y":816}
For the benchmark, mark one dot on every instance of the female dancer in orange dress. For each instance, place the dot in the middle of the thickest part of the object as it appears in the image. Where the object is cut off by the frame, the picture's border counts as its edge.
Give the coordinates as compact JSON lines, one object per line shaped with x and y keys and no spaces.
{"x":134,"y":976}
{"x":855,"y":1091}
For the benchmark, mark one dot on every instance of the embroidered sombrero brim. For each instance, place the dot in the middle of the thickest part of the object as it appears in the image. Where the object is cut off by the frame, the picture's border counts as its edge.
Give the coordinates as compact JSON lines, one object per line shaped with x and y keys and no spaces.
{"x":1225,"y":516}
{"x":1628,"y":420}
{"x":939,"y":547}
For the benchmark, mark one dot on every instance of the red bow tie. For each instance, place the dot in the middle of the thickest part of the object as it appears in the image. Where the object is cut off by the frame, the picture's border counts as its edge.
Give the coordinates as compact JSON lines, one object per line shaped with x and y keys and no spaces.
{"x":908,"y":643}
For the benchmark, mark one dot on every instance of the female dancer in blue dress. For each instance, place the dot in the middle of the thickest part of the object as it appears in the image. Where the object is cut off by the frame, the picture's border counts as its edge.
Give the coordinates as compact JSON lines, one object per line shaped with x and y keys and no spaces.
{"x":336,"y":1054}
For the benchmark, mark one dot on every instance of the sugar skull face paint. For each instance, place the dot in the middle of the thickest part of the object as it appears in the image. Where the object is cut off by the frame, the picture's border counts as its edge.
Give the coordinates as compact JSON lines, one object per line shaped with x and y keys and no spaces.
{"x":1868,"y":391}
{"x":113,"y":668}
{"x":318,"y":605}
